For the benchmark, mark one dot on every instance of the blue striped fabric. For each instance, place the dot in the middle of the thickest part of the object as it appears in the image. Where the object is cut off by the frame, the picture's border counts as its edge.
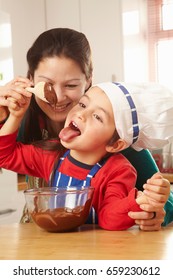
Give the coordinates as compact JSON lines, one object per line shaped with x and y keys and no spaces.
{"x":133,"y":112}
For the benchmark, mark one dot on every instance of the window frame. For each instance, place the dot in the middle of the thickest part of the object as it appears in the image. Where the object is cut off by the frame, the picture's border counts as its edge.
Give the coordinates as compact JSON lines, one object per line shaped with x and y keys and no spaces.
{"x":155,"y":35}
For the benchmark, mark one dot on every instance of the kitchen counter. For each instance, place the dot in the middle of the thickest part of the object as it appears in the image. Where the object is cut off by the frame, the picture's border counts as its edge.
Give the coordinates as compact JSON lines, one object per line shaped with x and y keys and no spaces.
{"x":27,"y":241}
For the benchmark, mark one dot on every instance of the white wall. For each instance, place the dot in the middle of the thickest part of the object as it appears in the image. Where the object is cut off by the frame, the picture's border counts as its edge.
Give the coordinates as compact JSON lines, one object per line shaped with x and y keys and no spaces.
{"x":27,"y":21}
{"x":100,"y":20}
{"x":63,"y":13}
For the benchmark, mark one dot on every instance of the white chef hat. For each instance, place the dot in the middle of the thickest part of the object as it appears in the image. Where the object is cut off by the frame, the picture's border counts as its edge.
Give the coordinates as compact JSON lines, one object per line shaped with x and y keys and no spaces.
{"x":143,"y":113}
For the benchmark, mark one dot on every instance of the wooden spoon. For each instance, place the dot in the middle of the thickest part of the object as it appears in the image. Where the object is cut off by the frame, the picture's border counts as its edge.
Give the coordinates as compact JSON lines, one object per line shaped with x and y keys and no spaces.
{"x":45,"y":92}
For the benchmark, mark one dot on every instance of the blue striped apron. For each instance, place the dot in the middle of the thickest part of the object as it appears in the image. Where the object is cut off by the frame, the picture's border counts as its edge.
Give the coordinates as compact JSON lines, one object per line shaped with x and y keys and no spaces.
{"x":60,"y":180}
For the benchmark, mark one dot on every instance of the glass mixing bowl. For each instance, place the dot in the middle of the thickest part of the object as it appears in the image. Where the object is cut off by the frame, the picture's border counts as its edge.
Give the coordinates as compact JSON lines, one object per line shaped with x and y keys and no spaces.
{"x":59,"y":209}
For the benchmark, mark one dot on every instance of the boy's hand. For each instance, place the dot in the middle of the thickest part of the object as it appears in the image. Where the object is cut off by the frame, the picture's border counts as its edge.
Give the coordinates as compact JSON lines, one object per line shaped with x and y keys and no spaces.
{"x":15,"y":97}
{"x":152,"y":201}
{"x":14,"y":89}
{"x":155,"y":194}
{"x":4,"y":112}
{"x":17,"y":109}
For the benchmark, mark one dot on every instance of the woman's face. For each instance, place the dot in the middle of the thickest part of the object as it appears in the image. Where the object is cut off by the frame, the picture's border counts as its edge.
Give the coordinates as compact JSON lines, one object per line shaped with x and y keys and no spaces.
{"x":68,"y":81}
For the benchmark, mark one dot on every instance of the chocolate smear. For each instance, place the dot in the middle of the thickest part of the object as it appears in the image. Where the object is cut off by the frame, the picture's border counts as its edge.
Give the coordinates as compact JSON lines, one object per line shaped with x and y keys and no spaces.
{"x":50,"y":94}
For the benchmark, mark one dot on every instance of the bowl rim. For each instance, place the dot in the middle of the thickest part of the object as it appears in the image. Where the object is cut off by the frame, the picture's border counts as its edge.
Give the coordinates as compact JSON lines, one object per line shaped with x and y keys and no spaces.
{"x":57,"y":190}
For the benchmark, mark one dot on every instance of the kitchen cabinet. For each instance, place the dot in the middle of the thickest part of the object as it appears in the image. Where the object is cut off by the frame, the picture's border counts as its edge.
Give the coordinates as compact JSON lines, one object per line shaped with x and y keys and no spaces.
{"x":11,"y":199}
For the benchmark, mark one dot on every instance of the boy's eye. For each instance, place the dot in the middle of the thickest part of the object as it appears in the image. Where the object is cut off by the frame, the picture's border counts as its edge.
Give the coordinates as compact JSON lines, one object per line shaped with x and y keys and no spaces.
{"x":98,"y":118}
{"x":82,"y":105}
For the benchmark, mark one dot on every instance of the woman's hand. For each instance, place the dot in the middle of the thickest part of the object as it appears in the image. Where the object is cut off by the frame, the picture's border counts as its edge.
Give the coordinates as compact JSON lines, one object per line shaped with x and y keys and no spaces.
{"x":157,"y":189}
{"x":18,"y":109}
{"x":148,"y":221}
{"x":152,"y":201}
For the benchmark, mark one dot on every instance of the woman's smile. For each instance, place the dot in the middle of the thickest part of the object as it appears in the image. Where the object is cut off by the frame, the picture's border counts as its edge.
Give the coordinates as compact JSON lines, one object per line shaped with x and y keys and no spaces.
{"x":60,"y":108}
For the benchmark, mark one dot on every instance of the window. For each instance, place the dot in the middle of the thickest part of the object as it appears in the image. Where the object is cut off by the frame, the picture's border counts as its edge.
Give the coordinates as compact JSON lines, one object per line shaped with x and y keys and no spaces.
{"x":160,"y":41}
{"x":134,"y":23}
{"x":6,"y":61}
{"x":148,"y":41}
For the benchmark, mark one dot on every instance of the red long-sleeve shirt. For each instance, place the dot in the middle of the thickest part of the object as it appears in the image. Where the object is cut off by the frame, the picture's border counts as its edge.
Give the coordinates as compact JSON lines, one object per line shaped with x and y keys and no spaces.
{"x":114,"y":183}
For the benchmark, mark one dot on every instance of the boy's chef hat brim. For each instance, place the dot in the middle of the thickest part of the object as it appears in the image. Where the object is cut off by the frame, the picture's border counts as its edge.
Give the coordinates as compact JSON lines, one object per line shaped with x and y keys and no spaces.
{"x":143,"y":113}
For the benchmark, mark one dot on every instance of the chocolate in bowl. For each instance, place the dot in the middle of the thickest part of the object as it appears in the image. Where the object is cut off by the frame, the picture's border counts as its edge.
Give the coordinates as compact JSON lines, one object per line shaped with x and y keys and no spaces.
{"x":62,"y":219}
{"x":59,"y":210}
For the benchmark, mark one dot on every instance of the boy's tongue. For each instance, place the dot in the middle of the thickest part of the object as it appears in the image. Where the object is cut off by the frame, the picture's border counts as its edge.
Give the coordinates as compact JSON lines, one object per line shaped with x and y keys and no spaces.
{"x":68,"y":133}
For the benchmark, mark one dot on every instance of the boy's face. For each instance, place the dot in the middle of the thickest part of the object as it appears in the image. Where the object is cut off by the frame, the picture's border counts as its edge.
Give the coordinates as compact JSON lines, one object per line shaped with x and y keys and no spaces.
{"x":90,"y":124}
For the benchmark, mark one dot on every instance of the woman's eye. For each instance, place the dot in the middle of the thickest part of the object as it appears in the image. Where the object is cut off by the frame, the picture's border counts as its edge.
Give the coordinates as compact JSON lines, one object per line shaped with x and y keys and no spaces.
{"x":71,"y":86}
{"x":50,"y":84}
{"x":98,"y":118}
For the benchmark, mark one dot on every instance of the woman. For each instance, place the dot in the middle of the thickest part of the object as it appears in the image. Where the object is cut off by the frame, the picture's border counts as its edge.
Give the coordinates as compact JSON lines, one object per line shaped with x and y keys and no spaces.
{"x":62,"y":57}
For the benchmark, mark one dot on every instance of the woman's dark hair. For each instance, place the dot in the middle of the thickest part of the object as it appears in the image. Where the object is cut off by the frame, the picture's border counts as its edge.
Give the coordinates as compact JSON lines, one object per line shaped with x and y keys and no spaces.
{"x":61,"y":42}
{"x":54,"y":42}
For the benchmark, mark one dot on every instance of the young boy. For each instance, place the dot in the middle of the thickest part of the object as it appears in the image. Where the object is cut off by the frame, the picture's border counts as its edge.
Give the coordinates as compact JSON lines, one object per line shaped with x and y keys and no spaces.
{"x":108,"y":118}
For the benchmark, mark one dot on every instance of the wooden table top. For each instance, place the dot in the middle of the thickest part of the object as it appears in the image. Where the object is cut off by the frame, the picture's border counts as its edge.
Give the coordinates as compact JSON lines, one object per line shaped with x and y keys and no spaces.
{"x":27,"y":241}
